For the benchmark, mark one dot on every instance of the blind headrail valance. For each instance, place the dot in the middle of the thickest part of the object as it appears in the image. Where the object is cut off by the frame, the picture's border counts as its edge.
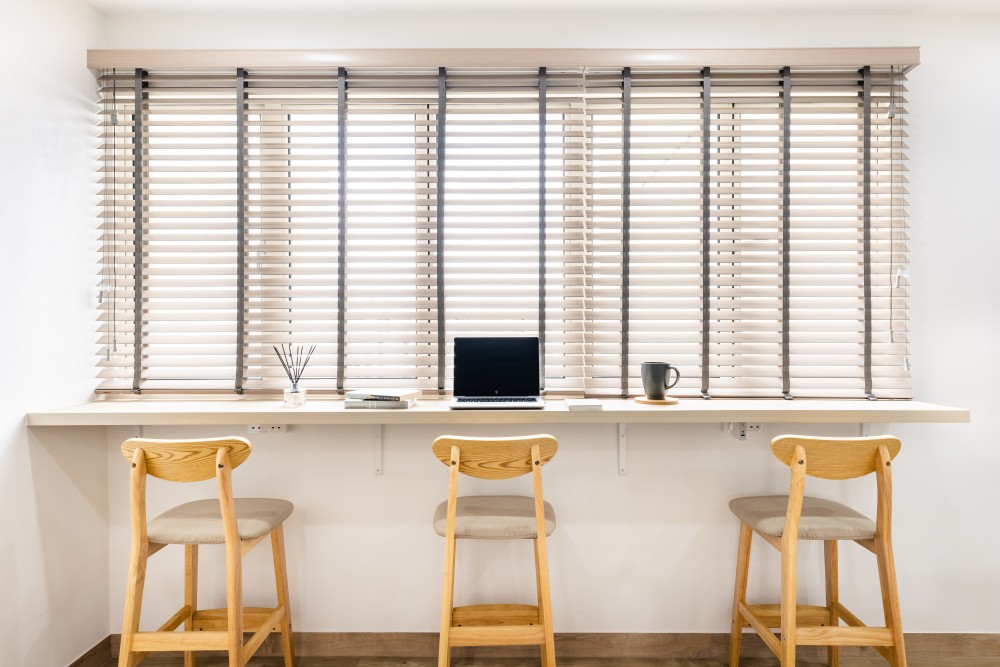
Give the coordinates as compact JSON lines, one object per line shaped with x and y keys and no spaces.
{"x":903,"y":56}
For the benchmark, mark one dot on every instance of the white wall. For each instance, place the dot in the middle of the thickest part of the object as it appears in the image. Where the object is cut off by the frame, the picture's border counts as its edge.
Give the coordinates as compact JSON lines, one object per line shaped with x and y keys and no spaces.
{"x":653,"y":551}
{"x":53,"y":485}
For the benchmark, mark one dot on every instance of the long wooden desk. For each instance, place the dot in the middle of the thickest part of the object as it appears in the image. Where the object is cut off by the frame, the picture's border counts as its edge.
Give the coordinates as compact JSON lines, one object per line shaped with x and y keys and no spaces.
{"x":145,"y":411}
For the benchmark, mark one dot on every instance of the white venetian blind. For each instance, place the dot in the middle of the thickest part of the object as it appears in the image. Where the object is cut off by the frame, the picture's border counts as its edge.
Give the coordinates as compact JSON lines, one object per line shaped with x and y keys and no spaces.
{"x":584,"y":204}
{"x":491,"y":195}
{"x":665,"y":305}
{"x":745,"y":217}
{"x":827,"y":259}
{"x":746,"y":225}
{"x":190,"y":253}
{"x":291,"y":248}
{"x":391,"y":174}
{"x":569,"y":342}
{"x":889,"y":245}
{"x":116,"y":326}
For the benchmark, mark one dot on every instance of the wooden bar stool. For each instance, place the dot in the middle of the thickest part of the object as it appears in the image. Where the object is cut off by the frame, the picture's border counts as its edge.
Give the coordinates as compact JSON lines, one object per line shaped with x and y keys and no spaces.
{"x":239,"y":523}
{"x":496,"y":518}
{"x":783,"y":520}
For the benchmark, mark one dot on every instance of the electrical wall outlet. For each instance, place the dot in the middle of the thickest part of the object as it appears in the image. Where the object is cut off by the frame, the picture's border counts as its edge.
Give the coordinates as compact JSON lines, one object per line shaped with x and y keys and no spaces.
{"x":256,"y":429}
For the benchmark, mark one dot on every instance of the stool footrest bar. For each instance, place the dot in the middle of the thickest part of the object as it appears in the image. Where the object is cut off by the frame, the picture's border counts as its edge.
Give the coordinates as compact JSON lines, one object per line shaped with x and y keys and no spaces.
{"x":499,"y":635}
{"x":495,"y":614}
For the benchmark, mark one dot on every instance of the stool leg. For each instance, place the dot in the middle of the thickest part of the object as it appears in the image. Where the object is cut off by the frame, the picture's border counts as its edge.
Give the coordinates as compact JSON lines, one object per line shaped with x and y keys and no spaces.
{"x":832,"y":595}
{"x":281,"y":583}
{"x":133,"y":603}
{"x":740,"y":593}
{"x":234,"y":602}
{"x":890,"y":598}
{"x":788,"y":610}
{"x":190,"y":593}
{"x":447,"y":601}
{"x":544,"y":602}
{"x":538,"y":596}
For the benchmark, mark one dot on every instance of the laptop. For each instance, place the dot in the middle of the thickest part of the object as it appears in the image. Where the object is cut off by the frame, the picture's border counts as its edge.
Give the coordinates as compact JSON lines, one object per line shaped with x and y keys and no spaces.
{"x":496,"y":374}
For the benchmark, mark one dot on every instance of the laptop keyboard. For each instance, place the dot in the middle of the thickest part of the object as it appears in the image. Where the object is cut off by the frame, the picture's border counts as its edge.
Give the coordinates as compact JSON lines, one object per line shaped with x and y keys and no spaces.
{"x":496,"y":399}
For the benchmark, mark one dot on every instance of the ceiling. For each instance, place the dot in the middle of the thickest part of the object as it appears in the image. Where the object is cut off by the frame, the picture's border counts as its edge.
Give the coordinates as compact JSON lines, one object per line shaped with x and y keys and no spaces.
{"x":302,"y":7}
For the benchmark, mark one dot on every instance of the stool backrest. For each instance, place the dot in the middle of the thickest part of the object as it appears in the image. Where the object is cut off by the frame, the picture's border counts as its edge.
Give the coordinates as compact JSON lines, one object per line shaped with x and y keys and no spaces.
{"x":835,"y":458}
{"x":495,"y":458}
{"x":186,"y":460}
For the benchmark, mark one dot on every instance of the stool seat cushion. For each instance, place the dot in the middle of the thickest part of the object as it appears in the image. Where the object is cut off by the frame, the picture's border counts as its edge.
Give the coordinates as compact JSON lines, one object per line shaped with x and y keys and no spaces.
{"x":821,"y":519}
{"x":494,"y":518}
{"x":200,"y":522}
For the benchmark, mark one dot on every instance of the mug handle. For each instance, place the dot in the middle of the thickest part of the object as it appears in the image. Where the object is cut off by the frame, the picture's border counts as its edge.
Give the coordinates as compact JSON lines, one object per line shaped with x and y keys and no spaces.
{"x":676,"y":379}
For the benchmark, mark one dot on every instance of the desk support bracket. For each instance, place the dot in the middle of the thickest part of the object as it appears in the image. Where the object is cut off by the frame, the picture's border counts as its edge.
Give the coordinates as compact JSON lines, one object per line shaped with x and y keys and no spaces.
{"x":622,"y":450}
{"x":377,"y":449}
{"x":864,"y":429}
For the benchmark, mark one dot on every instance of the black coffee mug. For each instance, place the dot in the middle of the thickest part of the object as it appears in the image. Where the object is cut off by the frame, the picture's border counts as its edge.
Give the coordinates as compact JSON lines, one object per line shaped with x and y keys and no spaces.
{"x":654,"y":379}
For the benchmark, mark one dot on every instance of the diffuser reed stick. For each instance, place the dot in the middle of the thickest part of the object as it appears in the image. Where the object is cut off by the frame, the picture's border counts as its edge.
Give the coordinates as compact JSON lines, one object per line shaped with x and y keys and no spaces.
{"x":294,"y":360}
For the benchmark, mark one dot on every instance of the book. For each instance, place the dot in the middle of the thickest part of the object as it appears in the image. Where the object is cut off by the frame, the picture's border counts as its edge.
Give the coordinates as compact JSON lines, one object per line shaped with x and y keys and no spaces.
{"x":373,"y":404}
{"x":586,"y":404}
{"x":382,"y":394}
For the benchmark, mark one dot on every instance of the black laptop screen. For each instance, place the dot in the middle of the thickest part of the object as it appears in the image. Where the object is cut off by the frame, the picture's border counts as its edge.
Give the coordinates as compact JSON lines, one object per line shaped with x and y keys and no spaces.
{"x":496,"y":366}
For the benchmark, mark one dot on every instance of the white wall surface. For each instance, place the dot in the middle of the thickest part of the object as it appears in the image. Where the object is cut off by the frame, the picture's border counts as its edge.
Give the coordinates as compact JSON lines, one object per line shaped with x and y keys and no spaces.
{"x":53,"y":485}
{"x":652,"y":551}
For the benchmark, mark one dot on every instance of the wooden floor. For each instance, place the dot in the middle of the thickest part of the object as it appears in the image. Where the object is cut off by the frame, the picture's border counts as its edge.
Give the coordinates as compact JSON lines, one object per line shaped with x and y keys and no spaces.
{"x":568,"y":662}
{"x":643,"y":650}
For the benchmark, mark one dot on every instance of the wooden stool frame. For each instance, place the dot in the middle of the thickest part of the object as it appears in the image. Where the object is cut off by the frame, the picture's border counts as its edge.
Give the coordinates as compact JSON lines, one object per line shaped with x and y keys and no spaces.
{"x":209,"y":629}
{"x":801,"y":625}
{"x":496,"y":624}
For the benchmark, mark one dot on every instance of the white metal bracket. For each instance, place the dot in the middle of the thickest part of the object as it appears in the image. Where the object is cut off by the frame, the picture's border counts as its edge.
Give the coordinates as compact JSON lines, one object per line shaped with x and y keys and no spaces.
{"x":377,"y":449}
{"x":622,"y":450}
{"x":740,"y":430}
{"x":865,"y":429}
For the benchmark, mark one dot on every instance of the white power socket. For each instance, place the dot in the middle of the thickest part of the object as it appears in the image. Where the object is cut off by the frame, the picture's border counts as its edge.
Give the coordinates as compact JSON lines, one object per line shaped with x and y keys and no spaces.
{"x":255,"y":429}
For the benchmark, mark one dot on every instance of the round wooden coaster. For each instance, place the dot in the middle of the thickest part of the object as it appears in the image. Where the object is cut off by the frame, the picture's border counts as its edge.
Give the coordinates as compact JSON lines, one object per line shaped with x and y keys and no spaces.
{"x":669,"y":400}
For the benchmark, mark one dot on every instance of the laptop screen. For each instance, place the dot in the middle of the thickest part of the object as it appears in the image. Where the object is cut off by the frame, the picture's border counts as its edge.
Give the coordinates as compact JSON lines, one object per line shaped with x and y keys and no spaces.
{"x":496,"y":366}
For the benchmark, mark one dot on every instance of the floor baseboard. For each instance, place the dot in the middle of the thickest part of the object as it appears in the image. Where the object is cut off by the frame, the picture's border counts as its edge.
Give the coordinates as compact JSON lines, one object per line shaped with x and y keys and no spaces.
{"x":98,"y":655}
{"x":613,"y":645}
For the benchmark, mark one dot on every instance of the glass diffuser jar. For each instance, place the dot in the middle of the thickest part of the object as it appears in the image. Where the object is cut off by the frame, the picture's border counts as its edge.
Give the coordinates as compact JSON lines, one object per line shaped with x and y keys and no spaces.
{"x":295,"y":396}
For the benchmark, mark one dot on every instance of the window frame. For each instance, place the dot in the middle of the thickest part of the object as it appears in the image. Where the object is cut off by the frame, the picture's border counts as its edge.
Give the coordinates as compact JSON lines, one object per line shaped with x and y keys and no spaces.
{"x":590,"y":368}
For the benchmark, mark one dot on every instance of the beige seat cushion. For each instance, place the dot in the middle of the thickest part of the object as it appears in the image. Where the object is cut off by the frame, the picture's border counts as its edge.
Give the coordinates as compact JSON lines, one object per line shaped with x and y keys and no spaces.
{"x":494,"y":518}
{"x":821,"y":519}
{"x":200,"y":522}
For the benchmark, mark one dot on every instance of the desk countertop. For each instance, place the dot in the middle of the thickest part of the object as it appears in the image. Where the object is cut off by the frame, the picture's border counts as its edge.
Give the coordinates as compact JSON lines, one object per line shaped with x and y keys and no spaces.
{"x":146,"y":411}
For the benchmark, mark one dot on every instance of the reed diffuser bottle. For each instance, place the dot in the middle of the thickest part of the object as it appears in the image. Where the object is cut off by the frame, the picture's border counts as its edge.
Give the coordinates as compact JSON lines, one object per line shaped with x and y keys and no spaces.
{"x":294,"y":359}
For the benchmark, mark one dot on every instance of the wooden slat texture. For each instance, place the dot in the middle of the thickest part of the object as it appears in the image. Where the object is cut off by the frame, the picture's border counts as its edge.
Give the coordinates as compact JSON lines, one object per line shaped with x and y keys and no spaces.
{"x":497,"y":635}
{"x":495,"y":458}
{"x":495,"y":614}
{"x":186,"y":460}
{"x":844,"y":458}
{"x":215,"y":619}
{"x":194,"y":641}
{"x":770,"y":614}
{"x":844,"y":636}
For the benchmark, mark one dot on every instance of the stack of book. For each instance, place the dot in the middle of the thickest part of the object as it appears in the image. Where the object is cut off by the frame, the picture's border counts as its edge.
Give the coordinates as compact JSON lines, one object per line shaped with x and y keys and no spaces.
{"x":381,"y":399}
